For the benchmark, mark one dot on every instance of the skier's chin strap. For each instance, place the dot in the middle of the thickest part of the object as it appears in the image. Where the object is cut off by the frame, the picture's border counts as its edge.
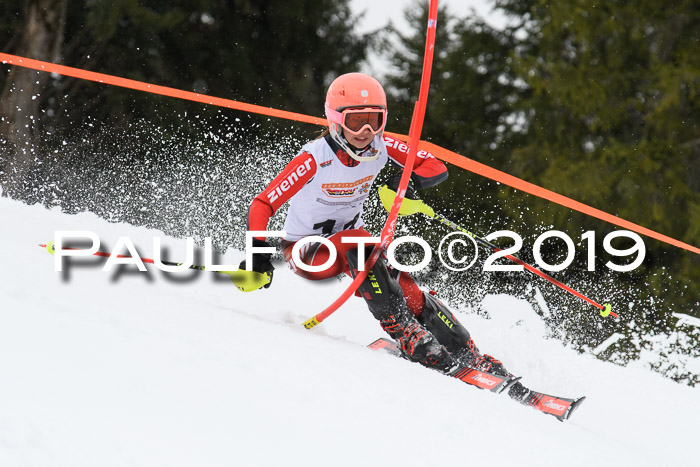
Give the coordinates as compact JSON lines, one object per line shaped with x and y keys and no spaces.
{"x":347,"y":153}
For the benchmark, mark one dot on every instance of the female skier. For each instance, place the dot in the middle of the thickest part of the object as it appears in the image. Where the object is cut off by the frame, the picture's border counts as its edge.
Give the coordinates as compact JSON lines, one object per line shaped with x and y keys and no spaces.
{"x":327,"y":184}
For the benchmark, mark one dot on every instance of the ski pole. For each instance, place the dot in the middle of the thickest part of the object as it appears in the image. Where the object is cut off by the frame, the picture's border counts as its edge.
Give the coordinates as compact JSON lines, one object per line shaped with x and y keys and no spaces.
{"x":245,"y":281}
{"x":418,"y":206}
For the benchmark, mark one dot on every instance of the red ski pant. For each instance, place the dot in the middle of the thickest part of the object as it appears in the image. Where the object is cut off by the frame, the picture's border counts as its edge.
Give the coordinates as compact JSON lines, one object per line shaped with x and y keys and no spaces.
{"x":316,"y":254}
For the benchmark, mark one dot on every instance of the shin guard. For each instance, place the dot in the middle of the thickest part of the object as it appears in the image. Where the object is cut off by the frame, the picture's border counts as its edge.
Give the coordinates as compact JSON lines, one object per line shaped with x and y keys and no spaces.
{"x":440,"y":321}
{"x":381,"y":291}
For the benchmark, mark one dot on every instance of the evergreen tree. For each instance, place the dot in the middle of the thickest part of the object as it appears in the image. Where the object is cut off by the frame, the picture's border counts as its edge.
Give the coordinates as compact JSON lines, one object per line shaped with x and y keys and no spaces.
{"x":596,"y":101}
{"x":40,"y":35}
{"x":612,"y":121}
{"x":469,"y":111}
{"x":280,"y":53}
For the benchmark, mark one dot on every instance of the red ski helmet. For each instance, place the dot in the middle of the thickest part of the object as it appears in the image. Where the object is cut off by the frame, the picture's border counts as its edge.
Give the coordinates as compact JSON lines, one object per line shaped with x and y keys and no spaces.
{"x":354,"y":102}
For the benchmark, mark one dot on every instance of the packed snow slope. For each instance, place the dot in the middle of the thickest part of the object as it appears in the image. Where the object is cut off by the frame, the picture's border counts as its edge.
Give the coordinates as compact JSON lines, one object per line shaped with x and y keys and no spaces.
{"x":153,"y":369}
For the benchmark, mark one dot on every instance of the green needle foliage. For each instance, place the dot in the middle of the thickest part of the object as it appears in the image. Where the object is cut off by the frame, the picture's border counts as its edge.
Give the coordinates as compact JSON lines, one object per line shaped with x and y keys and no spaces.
{"x":597,"y":101}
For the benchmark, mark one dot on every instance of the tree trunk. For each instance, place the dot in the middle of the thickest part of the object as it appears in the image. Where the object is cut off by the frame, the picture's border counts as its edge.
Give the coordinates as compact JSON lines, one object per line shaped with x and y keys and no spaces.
{"x":21,"y":100}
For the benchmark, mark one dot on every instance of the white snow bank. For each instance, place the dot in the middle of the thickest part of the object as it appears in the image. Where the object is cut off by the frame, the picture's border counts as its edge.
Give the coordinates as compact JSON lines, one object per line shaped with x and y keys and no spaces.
{"x":148,"y":369}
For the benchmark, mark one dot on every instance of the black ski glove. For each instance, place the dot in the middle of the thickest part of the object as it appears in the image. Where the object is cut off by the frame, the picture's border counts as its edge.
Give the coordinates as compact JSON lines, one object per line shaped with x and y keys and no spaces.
{"x":261,"y":261}
{"x":393,"y":184}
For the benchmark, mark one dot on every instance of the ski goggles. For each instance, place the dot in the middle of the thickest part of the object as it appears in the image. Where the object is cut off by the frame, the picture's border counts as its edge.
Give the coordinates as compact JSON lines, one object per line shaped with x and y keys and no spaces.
{"x":357,"y":120}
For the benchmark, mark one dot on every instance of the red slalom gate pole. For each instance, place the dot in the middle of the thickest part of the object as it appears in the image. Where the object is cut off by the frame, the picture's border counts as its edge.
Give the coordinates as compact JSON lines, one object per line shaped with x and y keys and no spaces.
{"x":414,"y":138}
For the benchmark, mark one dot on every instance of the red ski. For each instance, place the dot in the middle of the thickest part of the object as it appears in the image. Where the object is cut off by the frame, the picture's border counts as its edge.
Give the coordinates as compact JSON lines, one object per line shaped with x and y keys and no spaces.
{"x":560,"y":407}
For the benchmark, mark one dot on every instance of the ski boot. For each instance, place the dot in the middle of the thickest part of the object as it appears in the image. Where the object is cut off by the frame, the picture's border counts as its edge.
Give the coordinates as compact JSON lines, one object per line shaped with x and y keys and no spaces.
{"x":439,"y":320}
{"x":386,"y":302}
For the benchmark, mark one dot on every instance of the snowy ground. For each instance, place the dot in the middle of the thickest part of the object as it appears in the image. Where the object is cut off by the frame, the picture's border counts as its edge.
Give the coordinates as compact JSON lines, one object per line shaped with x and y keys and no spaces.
{"x":148,"y":369}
